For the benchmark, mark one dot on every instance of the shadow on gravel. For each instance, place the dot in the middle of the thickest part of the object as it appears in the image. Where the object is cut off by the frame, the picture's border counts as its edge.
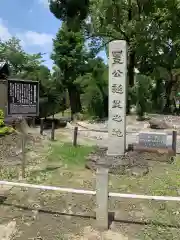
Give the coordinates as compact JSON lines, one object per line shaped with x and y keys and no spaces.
{"x":111,"y":216}
{"x":2,"y":199}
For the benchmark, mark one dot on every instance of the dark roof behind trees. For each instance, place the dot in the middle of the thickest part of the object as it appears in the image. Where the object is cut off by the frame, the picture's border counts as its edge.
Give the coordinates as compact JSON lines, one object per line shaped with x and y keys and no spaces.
{"x":4,"y":70}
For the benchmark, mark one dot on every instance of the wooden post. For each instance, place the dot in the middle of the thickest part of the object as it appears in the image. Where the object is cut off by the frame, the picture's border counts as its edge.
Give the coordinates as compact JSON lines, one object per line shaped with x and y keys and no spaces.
{"x":23,"y":155}
{"x":75,"y":136}
{"x":174,"y":141}
{"x":14,"y":124}
{"x":33,"y":122}
{"x":53,"y":131}
{"x":102,"y":198}
{"x":41,"y":126}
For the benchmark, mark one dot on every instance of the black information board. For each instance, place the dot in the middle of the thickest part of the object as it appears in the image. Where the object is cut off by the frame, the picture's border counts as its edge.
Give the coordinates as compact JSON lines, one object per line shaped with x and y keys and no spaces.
{"x":23,"y":98}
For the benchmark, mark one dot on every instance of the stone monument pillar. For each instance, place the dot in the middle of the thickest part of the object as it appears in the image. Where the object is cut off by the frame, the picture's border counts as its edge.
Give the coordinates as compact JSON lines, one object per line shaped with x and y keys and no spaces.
{"x":117,"y":97}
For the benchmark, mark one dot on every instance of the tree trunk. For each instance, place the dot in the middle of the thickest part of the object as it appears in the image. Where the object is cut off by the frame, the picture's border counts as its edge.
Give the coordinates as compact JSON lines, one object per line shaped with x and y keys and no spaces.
{"x":168,"y":89}
{"x":157,"y":96}
{"x":131,"y":63}
{"x":131,"y":66}
{"x":128,"y":106}
{"x":106,"y":110}
{"x":75,"y":101}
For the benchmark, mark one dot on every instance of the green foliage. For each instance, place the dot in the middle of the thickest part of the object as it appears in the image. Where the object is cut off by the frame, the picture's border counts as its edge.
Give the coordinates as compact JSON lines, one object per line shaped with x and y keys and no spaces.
{"x":95,"y":88}
{"x":4,"y":129}
{"x":73,"y":12}
{"x":142,"y":91}
{"x":69,"y":53}
{"x":151,"y":29}
{"x":21,"y":63}
{"x":30,"y":66}
{"x":1,"y":118}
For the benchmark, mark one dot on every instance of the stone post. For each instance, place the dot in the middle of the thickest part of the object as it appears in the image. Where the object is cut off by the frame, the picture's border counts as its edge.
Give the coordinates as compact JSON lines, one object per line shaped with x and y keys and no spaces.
{"x":102,"y":198}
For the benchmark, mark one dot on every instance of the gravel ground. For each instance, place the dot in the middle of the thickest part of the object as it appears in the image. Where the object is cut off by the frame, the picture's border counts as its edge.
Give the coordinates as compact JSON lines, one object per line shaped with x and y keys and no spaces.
{"x":133,"y":125}
{"x":132,"y":164}
{"x":11,"y":147}
{"x":44,"y":215}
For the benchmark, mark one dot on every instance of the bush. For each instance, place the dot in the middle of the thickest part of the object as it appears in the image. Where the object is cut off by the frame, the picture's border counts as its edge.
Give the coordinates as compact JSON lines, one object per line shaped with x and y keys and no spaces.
{"x":4,"y":129}
{"x":1,"y":118}
{"x":142,"y":94}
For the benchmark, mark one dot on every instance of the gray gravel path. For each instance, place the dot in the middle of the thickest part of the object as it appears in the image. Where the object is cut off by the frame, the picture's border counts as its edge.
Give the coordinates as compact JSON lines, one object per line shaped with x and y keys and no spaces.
{"x":101,"y":137}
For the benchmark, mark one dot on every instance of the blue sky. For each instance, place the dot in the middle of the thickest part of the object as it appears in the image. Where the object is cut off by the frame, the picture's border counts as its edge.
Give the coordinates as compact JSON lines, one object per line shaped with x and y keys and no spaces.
{"x":32,"y":22}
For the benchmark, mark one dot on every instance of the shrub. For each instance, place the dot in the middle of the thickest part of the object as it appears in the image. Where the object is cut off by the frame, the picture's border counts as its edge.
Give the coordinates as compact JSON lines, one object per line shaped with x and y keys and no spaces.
{"x":1,"y":118}
{"x":4,"y":129}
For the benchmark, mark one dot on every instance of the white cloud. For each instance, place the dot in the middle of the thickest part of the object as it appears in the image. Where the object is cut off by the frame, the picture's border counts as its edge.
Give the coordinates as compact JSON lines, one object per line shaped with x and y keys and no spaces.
{"x":34,"y":38}
{"x":4,"y":32}
{"x":44,"y":2}
{"x":43,"y":41}
{"x":28,"y":38}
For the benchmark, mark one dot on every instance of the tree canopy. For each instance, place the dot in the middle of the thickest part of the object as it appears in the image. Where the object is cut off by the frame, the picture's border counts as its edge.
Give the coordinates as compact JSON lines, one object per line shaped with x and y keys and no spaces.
{"x":151,"y":29}
{"x":30,"y":66}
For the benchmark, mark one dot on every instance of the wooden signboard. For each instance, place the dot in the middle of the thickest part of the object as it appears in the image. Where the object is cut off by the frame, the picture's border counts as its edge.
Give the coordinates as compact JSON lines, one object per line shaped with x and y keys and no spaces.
{"x":23,"y":98}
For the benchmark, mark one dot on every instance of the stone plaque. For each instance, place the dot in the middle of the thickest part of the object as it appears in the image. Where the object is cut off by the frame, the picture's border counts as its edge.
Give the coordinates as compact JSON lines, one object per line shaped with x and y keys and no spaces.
{"x":23,"y":98}
{"x":153,"y":139}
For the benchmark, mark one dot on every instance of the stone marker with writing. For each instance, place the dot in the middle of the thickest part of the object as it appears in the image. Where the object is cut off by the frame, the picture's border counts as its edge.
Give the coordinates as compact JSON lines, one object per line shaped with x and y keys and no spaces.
{"x":153,"y":139}
{"x":117,"y":98}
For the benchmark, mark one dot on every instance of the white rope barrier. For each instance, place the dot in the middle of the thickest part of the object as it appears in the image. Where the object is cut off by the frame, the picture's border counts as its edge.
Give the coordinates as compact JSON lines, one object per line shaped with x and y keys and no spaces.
{"x":136,"y":196}
{"x":60,"y":189}
{"x":89,"y":192}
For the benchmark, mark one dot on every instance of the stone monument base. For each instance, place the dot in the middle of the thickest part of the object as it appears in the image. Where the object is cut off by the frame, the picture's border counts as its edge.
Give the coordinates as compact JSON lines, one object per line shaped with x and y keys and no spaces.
{"x":134,"y":162}
{"x":168,"y":150}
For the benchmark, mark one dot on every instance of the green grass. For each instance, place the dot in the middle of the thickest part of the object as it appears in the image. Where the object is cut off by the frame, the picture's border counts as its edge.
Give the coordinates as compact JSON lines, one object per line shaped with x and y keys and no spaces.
{"x":67,"y":113}
{"x":68,"y":154}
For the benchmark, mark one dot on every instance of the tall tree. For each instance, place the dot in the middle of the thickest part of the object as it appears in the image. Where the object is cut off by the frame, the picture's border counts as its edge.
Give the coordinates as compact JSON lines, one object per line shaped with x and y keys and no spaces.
{"x":73,"y":12}
{"x":116,"y":19}
{"x":94,"y":85}
{"x":30,"y":66}
{"x":69,"y":55}
{"x":159,"y":51}
{"x":12,"y":52}
{"x":20,"y":62}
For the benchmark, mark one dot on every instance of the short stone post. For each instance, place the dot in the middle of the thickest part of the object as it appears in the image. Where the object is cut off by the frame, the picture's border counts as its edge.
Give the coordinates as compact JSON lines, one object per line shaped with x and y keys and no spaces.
{"x":102,"y":198}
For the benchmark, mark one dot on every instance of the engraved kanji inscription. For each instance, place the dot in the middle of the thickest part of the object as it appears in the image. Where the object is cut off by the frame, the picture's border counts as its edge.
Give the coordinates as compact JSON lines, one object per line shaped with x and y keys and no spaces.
{"x":116,"y":104}
{"x":117,"y":88}
{"x":117,"y":73}
{"x":117,"y":132}
{"x":117,"y":57}
{"x":117,"y":118}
